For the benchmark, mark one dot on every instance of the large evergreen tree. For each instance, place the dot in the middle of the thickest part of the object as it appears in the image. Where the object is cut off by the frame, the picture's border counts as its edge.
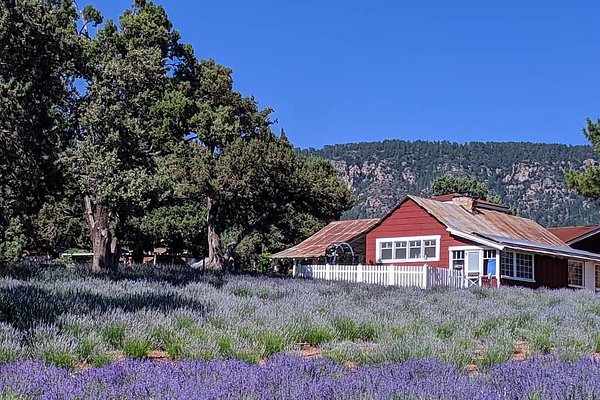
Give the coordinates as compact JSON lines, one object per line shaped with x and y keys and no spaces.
{"x":40,"y":57}
{"x":448,"y":184}
{"x":587,"y":182}
{"x":133,"y":114}
{"x":250,"y":178}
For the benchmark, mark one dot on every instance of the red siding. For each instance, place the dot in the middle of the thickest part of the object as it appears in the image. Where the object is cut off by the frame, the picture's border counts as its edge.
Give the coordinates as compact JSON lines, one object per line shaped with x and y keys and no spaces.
{"x":411,"y":220}
{"x":549,"y":272}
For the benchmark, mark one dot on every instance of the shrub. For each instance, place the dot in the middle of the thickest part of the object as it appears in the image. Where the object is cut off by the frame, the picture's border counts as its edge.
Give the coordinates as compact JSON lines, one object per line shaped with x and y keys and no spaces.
{"x":271,"y":343}
{"x":114,"y":333}
{"x":136,"y":348}
{"x":58,"y":357}
{"x":317,"y":335}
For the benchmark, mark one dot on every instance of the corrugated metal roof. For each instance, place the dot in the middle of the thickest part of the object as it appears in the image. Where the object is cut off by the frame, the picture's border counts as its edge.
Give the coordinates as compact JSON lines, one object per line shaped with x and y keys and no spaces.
{"x":335,"y":232}
{"x":484,"y":221}
{"x":536,"y":247}
{"x":572,"y":233}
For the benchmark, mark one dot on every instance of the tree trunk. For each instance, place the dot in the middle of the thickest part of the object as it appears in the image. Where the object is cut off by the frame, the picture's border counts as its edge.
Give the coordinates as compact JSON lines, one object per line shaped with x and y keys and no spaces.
{"x":105,"y":244}
{"x":217,"y":259}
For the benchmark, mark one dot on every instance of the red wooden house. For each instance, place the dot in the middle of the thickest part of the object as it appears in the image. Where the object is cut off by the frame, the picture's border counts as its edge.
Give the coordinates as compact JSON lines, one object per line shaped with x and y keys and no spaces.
{"x":482,"y":239}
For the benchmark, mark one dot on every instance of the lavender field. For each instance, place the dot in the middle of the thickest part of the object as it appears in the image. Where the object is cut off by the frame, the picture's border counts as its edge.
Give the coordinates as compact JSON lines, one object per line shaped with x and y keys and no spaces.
{"x":72,"y":319}
{"x":69,"y":334}
{"x":286,"y":377}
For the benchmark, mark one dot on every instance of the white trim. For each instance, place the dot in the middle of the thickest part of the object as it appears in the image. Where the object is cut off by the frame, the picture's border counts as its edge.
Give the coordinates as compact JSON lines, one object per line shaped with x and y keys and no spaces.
{"x":407,"y":239}
{"x":510,"y":278}
{"x":475,"y":239}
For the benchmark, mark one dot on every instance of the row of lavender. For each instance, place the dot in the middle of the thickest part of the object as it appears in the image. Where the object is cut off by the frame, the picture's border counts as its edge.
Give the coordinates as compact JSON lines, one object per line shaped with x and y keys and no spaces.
{"x":285,"y":377}
{"x":66,"y":318}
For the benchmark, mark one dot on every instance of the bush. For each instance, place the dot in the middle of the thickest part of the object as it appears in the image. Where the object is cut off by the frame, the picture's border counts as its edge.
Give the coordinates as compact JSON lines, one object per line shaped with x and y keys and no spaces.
{"x":136,"y":348}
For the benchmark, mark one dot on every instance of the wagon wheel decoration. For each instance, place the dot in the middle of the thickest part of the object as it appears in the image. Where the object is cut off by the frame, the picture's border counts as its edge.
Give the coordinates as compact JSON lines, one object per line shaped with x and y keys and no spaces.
{"x":339,"y":253}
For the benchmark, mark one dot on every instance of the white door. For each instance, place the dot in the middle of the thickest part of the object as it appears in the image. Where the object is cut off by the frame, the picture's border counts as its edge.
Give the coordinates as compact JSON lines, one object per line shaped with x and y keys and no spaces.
{"x":473,"y":267}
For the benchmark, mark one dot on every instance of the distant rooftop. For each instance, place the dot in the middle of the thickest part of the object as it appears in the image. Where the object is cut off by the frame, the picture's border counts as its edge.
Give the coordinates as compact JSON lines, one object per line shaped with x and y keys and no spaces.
{"x":570,"y":234}
{"x":335,"y":232}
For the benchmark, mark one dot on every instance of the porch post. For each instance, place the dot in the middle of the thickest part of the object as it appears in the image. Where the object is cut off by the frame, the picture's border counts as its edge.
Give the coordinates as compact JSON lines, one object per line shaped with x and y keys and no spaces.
{"x":295,"y":268}
{"x":497,"y":268}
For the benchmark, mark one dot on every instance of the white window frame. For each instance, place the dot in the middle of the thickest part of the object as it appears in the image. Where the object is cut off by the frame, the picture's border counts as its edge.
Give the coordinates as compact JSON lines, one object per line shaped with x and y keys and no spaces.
{"x":451,"y":258}
{"x":582,"y":274}
{"x":514,"y":277}
{"x":408,"y":239}
{"x":466,"y":249}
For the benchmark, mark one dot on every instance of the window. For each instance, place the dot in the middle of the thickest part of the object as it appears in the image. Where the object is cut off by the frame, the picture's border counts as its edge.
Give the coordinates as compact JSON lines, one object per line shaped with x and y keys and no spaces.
{"x":430,"y":247}
{"x":415,"y":248}
{"x":597,"y":276}
{"x":575,"y":273}
{"x":400,"y":250}
{"x":489,"y":262}
{"x":524,"y":266}
{"x":507,"y":263}
{"x":386,"y":250}
{"x":458,"y":259}
{"x":409,"y":249}
{"x":516,"y":265}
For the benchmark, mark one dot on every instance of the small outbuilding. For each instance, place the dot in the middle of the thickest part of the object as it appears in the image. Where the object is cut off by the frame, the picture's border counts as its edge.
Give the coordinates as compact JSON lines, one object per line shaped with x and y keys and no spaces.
{"x":338,"y":242}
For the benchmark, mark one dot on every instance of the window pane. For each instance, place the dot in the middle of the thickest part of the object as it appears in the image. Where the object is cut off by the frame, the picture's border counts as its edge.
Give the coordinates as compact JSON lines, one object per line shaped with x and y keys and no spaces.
{"x":597,"y":276}
{"x":430,"y":248}
{"x":430,"y":252}
{"x":524,"y":266}
{"x":458,"y":255}
{"x":458,"y":259}
{"x":386,"y":250}
{"x":400,"y":250}
{"x":415,"y":249}
{"x":401,"y":253}
{"x":575,"y":273}
{"x":487,"y":254}
{"x":473,"y":261}
{"x":506,"y":263}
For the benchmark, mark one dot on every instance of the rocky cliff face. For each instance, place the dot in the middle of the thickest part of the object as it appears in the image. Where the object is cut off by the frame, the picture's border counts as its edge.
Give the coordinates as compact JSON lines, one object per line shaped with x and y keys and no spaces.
{"x":527,"y":176}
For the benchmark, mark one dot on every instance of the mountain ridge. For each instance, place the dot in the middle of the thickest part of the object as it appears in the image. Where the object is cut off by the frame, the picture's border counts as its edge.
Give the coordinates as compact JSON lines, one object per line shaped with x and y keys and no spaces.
{"x":526,"y":175}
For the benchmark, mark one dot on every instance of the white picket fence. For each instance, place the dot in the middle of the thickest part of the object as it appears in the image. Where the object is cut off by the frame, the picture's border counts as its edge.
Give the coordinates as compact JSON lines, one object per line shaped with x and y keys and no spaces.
{"x":423,"y":276}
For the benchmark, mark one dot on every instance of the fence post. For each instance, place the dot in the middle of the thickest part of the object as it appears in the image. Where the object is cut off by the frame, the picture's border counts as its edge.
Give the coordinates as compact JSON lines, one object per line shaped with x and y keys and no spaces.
{"x":327,"y":272}
{"x":359,"y":272}
{"x":390,"y":274}
{"x":425,"y":275}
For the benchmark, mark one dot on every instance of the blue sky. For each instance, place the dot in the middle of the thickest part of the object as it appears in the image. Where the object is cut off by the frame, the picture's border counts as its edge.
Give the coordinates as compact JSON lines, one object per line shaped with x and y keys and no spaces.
{"x":347,"y":71}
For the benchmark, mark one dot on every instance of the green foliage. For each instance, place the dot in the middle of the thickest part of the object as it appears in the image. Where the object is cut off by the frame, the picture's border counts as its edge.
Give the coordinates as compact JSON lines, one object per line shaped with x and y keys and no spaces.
{"x":41,"y":55}
{"x":114,"y":333}
{"x":264,"y":263}
{"x":448,"y":184}
{"x":316,"y":335}
{"x":526,"y":176}
{"x":101,"y":359}
{"x":136,"y":347}
{"x":587,"y":182}
{"x":271,"y":343}
{"x":58,"y":357}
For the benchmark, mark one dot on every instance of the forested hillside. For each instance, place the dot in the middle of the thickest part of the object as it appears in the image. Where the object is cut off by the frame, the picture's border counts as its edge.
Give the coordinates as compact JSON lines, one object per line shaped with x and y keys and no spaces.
{"x":527,"y":176}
